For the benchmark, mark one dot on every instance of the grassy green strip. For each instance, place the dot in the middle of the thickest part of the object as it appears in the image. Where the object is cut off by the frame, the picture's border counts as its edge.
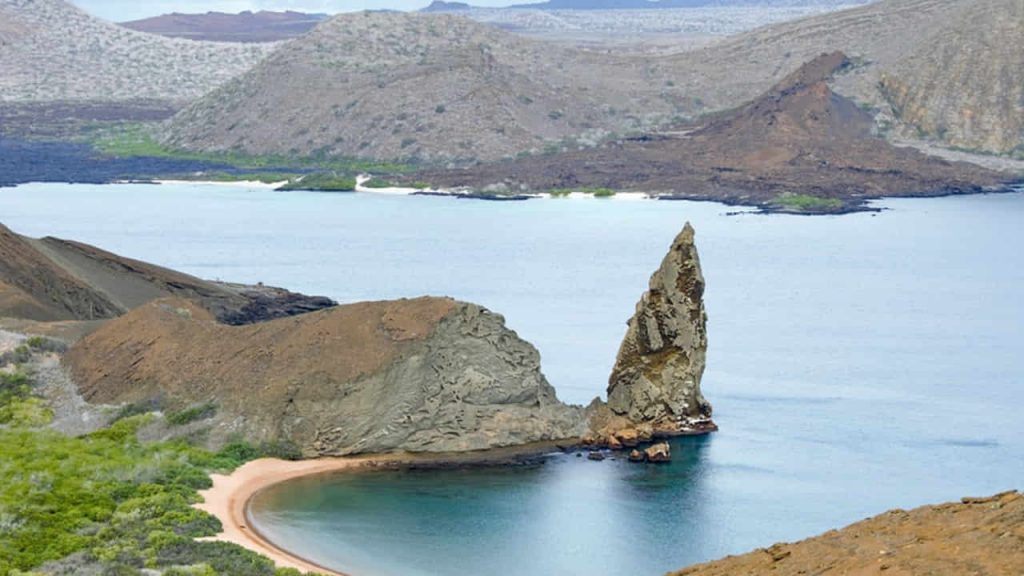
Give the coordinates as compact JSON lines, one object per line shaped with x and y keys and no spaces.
{"x":137,"y":140}
{"x":322,"y":182}
{"x":806,"y":203}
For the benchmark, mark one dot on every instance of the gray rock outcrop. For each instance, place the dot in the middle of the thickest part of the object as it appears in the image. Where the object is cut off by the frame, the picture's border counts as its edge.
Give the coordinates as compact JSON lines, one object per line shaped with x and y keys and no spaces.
{"x":655,"y":384}
{"x":473,"y":385}
{"x":422,"y":375}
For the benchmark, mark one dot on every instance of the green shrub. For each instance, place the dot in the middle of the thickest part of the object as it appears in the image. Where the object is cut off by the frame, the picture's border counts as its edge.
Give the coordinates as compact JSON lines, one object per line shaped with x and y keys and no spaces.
{"x":807,"y":203}
{"x":17,"y":407}
{"x":603,"y":192}
{"x":322,"y":182}
{"x":377,"y":183}
{"x":133,"y":140}
{"x":136,"y":409}
{"x":113,"y":501}
{"x":193,"y":414}
{"x":43,"y":344}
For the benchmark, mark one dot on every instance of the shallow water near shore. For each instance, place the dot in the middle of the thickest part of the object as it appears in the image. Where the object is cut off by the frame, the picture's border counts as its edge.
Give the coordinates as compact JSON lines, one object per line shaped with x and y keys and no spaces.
{"x":856,"y":363}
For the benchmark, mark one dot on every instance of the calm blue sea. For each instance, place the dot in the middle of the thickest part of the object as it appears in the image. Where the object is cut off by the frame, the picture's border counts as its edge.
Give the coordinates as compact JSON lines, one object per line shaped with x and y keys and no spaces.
{"x":856,"y":363}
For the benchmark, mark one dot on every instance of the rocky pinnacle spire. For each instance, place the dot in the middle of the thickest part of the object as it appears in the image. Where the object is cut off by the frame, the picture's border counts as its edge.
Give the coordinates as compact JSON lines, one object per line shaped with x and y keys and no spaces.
{"x":656,"y":379}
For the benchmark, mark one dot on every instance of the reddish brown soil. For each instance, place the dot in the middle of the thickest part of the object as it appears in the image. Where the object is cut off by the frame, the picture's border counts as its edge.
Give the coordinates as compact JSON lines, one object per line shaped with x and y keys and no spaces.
{"x":169,"y":347}
{"x":978,"y":537}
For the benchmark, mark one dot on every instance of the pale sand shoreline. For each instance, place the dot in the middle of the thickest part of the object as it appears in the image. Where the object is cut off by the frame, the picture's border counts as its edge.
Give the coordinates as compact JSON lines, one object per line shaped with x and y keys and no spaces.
{"x":228,"y":500}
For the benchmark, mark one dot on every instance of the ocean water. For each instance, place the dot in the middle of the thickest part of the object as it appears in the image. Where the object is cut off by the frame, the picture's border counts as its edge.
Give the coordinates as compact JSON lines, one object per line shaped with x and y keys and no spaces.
{"x":856,"y":363}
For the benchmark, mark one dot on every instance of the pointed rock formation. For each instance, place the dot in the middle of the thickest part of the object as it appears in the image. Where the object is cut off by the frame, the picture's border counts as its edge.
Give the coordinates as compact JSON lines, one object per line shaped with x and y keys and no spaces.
{"x":655,"y":384}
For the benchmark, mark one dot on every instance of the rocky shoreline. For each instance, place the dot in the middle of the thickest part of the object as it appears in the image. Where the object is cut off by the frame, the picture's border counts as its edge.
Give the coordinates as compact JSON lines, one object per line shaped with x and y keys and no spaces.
{"x":30,"y":161}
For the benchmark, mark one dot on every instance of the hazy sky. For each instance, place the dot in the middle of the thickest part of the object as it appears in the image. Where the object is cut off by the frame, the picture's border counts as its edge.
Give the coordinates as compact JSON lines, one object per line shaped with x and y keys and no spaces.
{"x":120,"y":10}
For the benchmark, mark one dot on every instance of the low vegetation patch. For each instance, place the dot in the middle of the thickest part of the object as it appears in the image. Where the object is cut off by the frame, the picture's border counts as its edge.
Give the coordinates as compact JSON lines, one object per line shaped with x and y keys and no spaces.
{"x":596,"y":192}
{"x":322,"y":182}
{"x":193,"y":414}
{"x":807,"y":203}
{"x":109,"y":502}
{"x":378,"y":183}
{"x":262,"y":177}
{"x":137,"y":140}
{"x":19,"y":407}
{"x":23,"y":353}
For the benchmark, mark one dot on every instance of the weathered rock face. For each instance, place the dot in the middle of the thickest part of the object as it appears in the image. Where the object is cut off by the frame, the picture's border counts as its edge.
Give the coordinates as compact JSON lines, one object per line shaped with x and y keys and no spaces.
{"x":423,"y":375}
{"x":659,"y":453}
{"x":655,"y":383}
{"x":964,"y":86}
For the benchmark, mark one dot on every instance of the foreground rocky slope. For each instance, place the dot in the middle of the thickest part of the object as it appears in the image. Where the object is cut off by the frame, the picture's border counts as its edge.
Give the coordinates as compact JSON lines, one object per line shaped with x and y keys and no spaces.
{"x":50,"y":279}
{"x":262,"y":26}
{"x":54,"y":51}
{"x":423,"y":375}
{"x":980,"y":536}
{"x":798,"y":139}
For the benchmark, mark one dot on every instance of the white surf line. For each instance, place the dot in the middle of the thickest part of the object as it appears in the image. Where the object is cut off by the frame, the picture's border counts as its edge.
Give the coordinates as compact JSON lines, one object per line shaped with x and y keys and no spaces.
{"x":231,"y":184}
{"x":393,"y":190}
{"x":619,"y":196}
{"x":403,"y":191}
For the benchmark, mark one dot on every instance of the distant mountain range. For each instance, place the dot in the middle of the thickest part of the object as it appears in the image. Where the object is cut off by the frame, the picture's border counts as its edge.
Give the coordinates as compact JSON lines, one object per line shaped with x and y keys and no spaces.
{"x":246,"y":26}
{"x":443,"y":88}
{"x":445,"y":6}
{"x":53,"y":51}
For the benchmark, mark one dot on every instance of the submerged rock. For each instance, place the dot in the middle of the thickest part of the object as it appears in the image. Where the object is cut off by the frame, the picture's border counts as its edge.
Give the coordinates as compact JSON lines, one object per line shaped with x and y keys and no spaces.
{"x":658,"y":453}
{"x":654,"y":388}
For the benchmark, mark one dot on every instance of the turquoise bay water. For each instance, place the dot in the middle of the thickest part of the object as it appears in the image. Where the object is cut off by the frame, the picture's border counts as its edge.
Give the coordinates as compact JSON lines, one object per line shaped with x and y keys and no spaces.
{"x":856,"y":363}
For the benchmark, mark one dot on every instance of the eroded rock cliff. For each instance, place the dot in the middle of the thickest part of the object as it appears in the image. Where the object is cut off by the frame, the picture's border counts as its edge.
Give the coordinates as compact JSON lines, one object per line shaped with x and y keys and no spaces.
{"x":423,"y":375}
{"x":654,"y":387}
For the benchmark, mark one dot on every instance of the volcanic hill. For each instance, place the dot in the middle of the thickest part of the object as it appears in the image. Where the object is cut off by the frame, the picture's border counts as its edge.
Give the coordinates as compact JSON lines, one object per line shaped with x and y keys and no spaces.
{"x":439,"y":87}
{"x":50,"y":279}
{"x":422,"y":375}
{"x":54,"y":51}
{"x":262,"y":26}
{"x":798,"y":139}
{"x":424,"y":86}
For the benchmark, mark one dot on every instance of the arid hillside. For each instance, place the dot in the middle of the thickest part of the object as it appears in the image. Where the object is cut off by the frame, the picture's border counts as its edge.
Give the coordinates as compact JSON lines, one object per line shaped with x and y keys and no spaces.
{"x":799,"y":139}
{"x":427,"y":86}
{"x":50,"y":279}
{"x":965,"y":85}
{"x":978,"y":536}
{"x":440,"y":87}
{"x":262,"y":26}
{"x":54,"y":51}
